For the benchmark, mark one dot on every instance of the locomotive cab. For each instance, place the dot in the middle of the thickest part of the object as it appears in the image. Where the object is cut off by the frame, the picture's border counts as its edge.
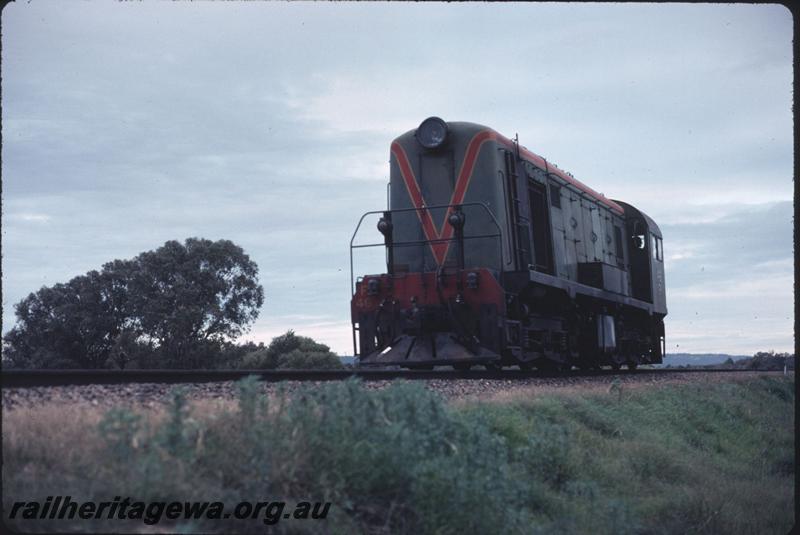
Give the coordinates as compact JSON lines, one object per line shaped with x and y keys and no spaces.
{"x":646,"y":258}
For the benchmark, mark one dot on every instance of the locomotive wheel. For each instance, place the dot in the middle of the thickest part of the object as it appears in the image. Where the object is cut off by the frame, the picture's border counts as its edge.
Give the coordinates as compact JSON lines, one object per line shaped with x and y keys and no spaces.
{"x":632,"y":366}
{"x":462,"y":366}
{"x":616,"y":366}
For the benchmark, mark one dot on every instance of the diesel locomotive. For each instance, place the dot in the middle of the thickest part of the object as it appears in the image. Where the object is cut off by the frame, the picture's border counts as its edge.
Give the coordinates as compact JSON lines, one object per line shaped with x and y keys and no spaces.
{"x":495,"y":256}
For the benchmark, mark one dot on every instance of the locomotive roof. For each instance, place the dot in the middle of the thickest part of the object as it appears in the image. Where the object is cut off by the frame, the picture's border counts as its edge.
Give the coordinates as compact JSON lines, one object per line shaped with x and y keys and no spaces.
{"x":533,"y":158}
{"x":631,"y":210}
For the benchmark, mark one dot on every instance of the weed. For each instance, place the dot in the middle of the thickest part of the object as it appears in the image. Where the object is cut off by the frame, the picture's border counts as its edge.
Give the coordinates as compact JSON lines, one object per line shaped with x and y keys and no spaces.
{"x":119,"y":428}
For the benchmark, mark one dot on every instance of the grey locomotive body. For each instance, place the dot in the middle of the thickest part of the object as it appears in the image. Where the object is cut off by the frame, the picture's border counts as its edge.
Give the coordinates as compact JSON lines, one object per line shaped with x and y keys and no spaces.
{"x":497,"y":257}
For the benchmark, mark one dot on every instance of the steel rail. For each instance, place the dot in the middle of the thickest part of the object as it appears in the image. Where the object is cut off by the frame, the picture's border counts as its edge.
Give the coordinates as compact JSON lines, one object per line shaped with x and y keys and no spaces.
{"x":42,"y":378}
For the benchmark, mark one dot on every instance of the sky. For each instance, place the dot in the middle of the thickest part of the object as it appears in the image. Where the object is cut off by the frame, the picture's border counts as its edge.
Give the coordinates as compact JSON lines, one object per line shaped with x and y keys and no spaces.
{"x":125,"y":125}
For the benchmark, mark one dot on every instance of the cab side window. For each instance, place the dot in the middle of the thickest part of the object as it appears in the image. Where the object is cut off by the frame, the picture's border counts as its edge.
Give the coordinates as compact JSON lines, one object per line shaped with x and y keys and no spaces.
{"x":658,"y":248}
{"x":555,"y":194}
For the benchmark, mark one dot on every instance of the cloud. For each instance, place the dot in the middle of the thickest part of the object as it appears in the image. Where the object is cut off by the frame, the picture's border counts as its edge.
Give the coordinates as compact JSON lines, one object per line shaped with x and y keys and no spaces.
{"x":30,"y":218}
{"x":731,"y":289}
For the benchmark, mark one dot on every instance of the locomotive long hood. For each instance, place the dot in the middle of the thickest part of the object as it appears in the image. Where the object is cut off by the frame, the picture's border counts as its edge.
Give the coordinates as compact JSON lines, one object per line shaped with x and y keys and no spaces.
{"x":484,"y":133}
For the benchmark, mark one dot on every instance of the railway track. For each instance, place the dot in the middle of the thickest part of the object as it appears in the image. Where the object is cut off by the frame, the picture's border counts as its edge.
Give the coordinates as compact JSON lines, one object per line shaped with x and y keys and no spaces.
{"x":38,"y":378}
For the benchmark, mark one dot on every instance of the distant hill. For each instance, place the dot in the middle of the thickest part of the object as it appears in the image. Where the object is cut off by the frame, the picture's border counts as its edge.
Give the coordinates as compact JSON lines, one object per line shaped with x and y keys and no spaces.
{"x":699,"y":359}
{"x":762,"y":360}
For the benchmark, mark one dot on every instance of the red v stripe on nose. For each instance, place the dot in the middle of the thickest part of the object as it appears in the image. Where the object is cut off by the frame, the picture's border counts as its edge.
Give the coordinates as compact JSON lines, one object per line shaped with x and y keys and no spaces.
{"x":440,"y":249}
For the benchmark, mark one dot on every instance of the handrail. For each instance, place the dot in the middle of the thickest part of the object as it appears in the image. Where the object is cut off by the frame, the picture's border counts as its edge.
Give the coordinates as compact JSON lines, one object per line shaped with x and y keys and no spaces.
{"x":419,"y":242}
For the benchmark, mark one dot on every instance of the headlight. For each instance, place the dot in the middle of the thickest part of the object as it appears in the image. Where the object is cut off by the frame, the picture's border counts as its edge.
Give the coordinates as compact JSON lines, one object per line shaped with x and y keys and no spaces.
{"x":431,"y":132}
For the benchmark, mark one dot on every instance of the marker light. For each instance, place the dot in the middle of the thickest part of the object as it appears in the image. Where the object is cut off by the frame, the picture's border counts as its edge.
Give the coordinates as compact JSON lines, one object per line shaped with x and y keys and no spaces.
{"x":373,"y":286}
{"x":384,"y":226}
{"x":472,"y":280}
{"x":456,"y":220}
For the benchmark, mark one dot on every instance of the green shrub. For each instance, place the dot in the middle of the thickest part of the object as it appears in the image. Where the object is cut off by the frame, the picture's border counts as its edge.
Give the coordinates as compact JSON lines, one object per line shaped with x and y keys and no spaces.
{"x":179,"y":434}
{"x":299,"y":359}
{"x":395,"y":457}
{"x":118,"y":429}
{"x":547,"y":454}
{"x":257,"y":360}
{"x":289,"y":351}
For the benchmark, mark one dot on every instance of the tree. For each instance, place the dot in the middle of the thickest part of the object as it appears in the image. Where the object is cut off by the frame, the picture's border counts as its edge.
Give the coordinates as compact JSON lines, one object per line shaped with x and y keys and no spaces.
{"x":184,"y":300}
{"x":186,"y":296}
{"x":70,"y":325}
{"x":769,"y":360}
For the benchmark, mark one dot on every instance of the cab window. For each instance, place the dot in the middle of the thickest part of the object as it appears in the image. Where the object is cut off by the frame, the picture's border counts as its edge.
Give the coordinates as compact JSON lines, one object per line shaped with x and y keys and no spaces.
{"x":555,"y":195}
{"x":658,"y":248}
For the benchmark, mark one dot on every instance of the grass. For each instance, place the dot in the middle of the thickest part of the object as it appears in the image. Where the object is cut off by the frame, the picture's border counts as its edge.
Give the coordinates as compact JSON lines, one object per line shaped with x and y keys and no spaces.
{"x":694,"y":458}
